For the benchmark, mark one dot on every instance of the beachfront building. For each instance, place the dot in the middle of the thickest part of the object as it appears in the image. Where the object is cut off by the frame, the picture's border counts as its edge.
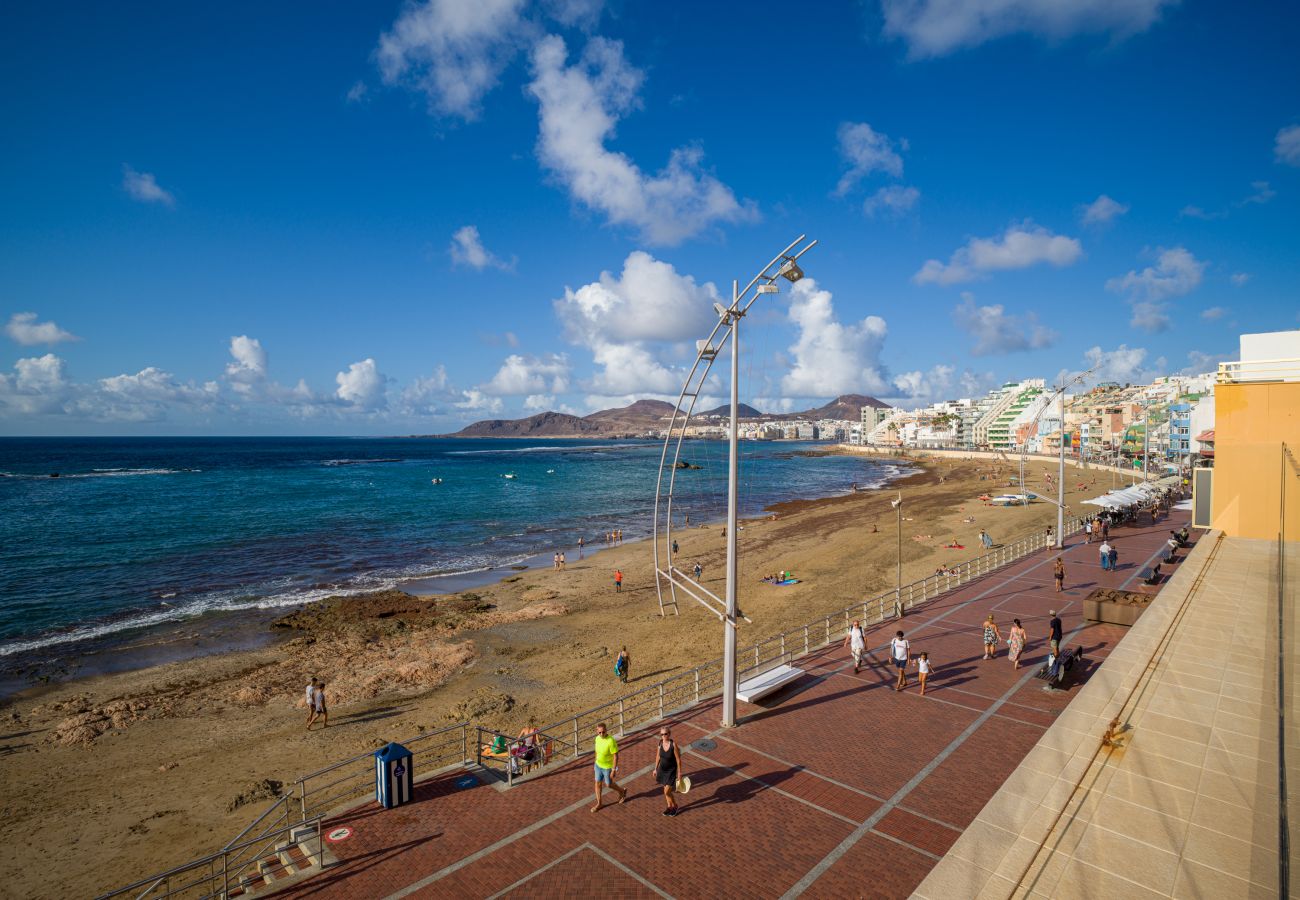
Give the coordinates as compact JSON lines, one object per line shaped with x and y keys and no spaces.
{"x":1005,"y":405}
{"x":873,"y":416}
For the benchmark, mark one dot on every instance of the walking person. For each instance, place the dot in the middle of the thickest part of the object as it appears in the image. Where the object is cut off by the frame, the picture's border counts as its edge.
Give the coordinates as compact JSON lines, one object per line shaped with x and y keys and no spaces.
{"x":1104,"y":550}
{"x":674,"y":547}
{"x":991,"y":637}
{"x":1016,"y":639}
{"x":561,"y":560}
{"x":901,"y":651}
{"x":555,"y":562}
{"x":923,"y":670}
{"x":668,"y":768}
{"x":319,"y":708}
{"x":618,"y":581}
{"x":1058,"y":574}
{"x":1054,"y":633}
{"x":985,"y":541}
{"x":581,"y":544}
{"x":856,"y":641}
{"x":1087,"y":529}
{"x":622,"y":664}
{"x":311,"y":701}
{"x":1114,"y":559}
{"x":699,"y":571}
{"x":606,"y":765}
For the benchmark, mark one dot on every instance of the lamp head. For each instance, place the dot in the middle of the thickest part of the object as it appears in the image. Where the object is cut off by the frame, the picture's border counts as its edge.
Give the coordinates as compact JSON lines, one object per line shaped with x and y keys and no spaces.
{"x":790,"y":271}
{"x":720,"y":310}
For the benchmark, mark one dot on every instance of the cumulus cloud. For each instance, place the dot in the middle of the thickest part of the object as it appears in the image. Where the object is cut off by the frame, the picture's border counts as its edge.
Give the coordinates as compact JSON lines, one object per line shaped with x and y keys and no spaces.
{"x":362,"y":386}
{"x":996,"y":332}
{"x":1213,"y":313}
{"x":451,"y":51}
{"x":1286,"y":146}
{"x":895,"y":199}
{"x":1124,"y":364}
{"x":427,"y":395}
{"x":933,"y":28}
{"x":940,"y":382}
{"x":829,"y":357}
{"x":475,"y":401}
{"x":866,"y":150}
{"x":1020,"y":247}
{"x":24,"y":329}
{"x":1175,"y":273}
{"x":1199,"y":363}
{"x":579,"y":106}
{"x":40,"y":386}
{"x":144,"y":187}
{"x":1102,"y":210}
{"x":247,"y":370}
{"x":467,"y":250}
{"x":535,"y":403}
{"x":524,"y":375}
{"x":358,"y":92}
{"x":1263,"y":192}
{"x":1239,"y":278}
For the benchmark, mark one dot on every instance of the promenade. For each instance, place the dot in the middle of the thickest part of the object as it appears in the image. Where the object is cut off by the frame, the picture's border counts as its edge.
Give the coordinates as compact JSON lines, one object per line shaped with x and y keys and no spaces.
{"x":837,"y":786}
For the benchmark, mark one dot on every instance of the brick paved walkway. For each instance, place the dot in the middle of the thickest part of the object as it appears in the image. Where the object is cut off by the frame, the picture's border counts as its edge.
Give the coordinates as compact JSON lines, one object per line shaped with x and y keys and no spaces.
{"x":837,"y":786}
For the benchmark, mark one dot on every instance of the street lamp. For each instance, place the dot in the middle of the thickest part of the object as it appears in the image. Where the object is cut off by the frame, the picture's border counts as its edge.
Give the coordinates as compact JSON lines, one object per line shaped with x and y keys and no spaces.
{"x":784,"y":265}
{"x":898,"y":572}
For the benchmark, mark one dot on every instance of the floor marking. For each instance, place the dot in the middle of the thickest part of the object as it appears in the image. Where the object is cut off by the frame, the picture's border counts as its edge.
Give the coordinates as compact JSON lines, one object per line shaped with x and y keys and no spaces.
{"x":901,"y":842}
{"x":783,"y":793}
{"x":578,"y":849}
{"x":847,"y":844}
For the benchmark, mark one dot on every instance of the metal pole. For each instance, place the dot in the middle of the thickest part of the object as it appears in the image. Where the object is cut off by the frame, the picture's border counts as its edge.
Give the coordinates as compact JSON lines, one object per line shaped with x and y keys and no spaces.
{"x":1146,"y":443}
{"x":1060,"y":482}
{"x":898,"y":572}
{"x":729,"y":626}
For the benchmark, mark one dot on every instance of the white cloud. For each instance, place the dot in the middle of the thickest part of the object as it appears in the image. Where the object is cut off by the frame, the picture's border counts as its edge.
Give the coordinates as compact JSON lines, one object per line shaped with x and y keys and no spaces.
{"x":1102,"y":210}
{"x":579,"y":108}
{"x":358,"y":92}
{"x":828,"y":357}
{"x":896,"y":199}
{"x":476,"y":401}
{"x":522,"y":375}
{"x":24,"y":329}
{"x":1195,"y":212}
{"x":1175,"y":273}
{"x":38,"y":385}
{"x":575,"y":13}
{"x":937,"y":27}
{"x":941,"y":382}
{"x":1263,"y":193}
{"x":1239,"y":278}
{"x":995,"y":332}
{"x":467,"y":249}
{"x":1020,"y":247}
{"x":1286,"y":146}
{"x":866,"y":150}
{"x":1123,"y":364}
{"x":427,"y":395}
{"x":452,"y":51}
{"x":1202,"y":363}
{"x":362,"y":386}
{"x":144,"y":187}
{"x":1214,"y":312}
{"x":248,"y":370}
{"x":535,"y":403}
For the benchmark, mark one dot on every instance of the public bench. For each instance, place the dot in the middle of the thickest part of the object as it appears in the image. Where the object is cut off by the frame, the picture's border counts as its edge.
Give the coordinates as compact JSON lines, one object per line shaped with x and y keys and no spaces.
{"x":1150,"y":576}
{"x":1059,"y":670}
{"x":759,"y":686}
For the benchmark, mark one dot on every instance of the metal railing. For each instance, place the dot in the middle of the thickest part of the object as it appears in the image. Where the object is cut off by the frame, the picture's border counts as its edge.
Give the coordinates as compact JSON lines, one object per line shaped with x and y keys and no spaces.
{"x":1258,"y":370}
{"x":212,"y":877}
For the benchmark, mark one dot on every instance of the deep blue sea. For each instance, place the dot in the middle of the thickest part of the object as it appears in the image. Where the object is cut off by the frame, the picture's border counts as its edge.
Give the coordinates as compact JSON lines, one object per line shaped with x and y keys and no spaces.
{"x":140,"y":532}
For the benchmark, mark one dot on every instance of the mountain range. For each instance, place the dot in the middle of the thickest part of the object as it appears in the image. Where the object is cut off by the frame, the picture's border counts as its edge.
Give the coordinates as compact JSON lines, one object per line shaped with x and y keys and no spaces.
{"x":646,"y":415}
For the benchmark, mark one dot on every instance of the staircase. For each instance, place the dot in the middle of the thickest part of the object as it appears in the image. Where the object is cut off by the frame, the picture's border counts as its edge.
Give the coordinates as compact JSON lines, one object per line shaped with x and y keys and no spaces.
{"x":291,"y":858}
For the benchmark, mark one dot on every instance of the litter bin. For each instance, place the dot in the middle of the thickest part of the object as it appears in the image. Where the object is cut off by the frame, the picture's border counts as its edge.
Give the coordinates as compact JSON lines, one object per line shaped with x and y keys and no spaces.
{"x":394,"y":779}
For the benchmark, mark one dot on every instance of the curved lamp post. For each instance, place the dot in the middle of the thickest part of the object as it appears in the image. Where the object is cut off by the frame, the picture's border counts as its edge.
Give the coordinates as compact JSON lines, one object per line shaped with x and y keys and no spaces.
{"x":668,"y":578}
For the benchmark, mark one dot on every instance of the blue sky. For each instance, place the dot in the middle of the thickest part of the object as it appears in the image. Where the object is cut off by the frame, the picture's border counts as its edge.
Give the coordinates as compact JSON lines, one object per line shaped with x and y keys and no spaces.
{"x":371,"y":218}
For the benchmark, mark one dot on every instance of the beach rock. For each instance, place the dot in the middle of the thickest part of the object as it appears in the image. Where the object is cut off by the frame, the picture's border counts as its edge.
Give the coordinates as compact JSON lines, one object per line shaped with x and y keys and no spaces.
{"x":538,"y":593}
{"x":482,"y":704}
{"x":266,"y":789}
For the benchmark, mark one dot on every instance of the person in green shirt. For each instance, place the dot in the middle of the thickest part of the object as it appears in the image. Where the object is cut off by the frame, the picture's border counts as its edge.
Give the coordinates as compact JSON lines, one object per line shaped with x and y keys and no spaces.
{"x":606,"y":765}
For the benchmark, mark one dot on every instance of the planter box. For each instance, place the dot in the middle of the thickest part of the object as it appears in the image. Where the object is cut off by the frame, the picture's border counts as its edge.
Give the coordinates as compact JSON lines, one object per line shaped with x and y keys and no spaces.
{"x":1114,"y":607}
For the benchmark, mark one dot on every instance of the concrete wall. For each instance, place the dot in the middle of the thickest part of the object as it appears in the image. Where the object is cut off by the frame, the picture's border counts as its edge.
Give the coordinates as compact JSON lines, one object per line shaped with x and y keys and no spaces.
{"x":1252,"y":420}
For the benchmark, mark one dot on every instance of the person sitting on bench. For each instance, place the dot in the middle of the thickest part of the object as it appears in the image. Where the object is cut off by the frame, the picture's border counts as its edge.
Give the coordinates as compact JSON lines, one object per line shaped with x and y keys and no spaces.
{"x":1154,"y":577}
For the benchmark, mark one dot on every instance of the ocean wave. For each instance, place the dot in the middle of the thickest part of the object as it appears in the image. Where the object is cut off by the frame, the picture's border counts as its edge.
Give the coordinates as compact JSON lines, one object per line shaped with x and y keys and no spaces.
{"x":360,"y":462}
{"x":565,"y":449}
{"x":98,"y":473}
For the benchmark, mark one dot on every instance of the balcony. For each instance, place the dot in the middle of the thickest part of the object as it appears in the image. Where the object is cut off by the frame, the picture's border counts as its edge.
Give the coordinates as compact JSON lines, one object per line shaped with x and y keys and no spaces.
{"x":1259,"y":371}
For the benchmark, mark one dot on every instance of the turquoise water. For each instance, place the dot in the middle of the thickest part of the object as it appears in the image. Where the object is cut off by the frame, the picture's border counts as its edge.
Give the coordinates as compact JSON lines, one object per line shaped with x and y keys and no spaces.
{"x":142,"y":532}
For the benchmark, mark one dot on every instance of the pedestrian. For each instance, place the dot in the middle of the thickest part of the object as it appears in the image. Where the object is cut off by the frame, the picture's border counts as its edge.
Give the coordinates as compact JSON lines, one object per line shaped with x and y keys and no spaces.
{"x":699,"y":570}
{"x":1058,"y":574}
{"x":674,"y":548}
{"x":618,"y":536}
{"x":580,"y":544}
{"x":555,"y":562}
{"x":622,"y":664}
{"x":923,"y":670}
{"x":857,"y":644}
{"x":668,"y":768}
{"x":319,"y":708}
{"x":985,"y":541}
{"x":901,"y":651}
{"x":618,"y":581}
{"x":606,"y":765}
{"x":991,"y":637}
{"x":1054,"y":632}
{"x":1016,"y":638}
{"x":1104,"y":550}
{"x":561,"y":560}
{"x":311,"y":701}
{"x":1105,"y":529}
{"x":1087,"y":529}
{"x":1114,"y":559}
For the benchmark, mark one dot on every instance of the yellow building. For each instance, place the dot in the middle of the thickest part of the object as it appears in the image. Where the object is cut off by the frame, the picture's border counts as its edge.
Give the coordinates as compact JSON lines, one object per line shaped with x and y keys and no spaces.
{"x":1257,"y":421}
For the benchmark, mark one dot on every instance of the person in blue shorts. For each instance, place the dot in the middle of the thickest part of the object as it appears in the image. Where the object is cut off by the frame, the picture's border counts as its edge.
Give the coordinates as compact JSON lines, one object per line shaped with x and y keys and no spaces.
{"x":901,"y":651}
{"x":606,"y":765}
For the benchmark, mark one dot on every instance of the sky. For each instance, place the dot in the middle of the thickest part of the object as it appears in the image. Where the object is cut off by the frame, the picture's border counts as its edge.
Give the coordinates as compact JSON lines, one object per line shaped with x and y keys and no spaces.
{"x":393,"y":218}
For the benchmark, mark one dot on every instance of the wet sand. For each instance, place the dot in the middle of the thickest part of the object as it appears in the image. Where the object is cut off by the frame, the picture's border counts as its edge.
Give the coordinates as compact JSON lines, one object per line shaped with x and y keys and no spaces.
{"x":112,"y":778}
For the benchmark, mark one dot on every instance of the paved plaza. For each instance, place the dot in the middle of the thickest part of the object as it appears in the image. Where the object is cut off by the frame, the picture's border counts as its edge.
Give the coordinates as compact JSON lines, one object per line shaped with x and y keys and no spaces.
{"x":837,"y":786}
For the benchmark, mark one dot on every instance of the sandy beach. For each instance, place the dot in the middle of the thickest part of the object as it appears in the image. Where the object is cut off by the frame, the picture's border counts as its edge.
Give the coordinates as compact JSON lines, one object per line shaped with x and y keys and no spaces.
{"x":112,"y":778}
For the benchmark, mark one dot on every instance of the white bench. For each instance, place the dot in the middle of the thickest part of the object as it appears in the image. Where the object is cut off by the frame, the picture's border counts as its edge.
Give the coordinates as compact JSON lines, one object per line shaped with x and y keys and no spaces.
{"x":760,"y":686}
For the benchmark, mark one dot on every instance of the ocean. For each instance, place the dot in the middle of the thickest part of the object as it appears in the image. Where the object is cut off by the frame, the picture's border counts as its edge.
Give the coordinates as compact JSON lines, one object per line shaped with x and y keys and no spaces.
{"x":138,"y":533}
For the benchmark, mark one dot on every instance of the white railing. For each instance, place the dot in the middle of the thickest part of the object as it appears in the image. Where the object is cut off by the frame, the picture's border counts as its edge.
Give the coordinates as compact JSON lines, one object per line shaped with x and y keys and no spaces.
{"x":1258,"y":370}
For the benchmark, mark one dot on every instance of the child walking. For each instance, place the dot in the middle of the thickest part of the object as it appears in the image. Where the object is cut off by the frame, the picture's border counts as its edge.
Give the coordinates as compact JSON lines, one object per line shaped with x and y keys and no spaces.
{"x":923,"y":670}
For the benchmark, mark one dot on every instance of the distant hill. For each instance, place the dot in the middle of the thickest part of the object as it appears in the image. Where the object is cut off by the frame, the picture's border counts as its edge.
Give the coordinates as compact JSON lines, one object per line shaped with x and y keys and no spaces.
{"x":646,"y":415}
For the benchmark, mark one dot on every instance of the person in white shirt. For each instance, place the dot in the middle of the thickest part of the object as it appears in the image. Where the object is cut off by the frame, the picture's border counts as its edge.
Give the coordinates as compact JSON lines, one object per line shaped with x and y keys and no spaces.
{"x":1104,"y":550}
{"x":311,"y":702}
{"x":923,"y":670}
{"x":901,"y":651}
{"x":857,"y":644}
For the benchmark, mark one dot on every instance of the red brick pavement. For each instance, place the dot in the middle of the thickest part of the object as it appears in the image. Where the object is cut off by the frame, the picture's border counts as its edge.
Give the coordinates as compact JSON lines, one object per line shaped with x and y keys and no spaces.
{"x":837,"y":786}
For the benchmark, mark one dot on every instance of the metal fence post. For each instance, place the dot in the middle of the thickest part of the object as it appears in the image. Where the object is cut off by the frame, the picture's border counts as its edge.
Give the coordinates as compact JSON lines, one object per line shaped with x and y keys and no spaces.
{"x":622,"y":729}
{"x":575,"y":737}
{"x":661,"y":699}
{"x":697,"y":685}
{"x":783,"y":646}
{"x":806,"y":648}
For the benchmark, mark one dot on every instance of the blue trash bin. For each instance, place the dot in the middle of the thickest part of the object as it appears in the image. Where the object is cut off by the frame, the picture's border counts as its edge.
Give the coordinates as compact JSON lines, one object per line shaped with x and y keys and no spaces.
{"x":394,"y":778}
